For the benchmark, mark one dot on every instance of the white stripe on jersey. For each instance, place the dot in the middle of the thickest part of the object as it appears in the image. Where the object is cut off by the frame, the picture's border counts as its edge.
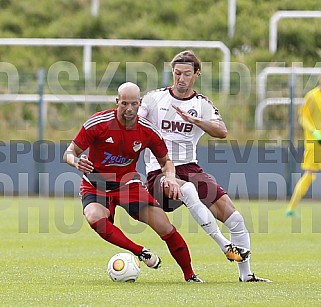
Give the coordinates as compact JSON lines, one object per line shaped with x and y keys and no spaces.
{"x":99,"y":119}
{"x":146,"y":123}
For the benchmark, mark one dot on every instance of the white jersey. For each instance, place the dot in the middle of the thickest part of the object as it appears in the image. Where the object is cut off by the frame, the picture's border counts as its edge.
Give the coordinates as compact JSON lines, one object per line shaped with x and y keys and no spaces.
{"x":181,"y":137}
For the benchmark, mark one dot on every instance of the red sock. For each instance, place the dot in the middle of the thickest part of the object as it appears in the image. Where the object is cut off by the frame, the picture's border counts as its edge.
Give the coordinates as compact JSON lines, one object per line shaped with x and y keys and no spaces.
{"x":179,"y":250}
{"x":114,"y":235}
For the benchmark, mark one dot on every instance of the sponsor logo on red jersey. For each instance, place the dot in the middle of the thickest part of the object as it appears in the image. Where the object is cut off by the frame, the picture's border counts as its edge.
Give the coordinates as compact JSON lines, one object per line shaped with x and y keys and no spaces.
{"x":119,"y":160}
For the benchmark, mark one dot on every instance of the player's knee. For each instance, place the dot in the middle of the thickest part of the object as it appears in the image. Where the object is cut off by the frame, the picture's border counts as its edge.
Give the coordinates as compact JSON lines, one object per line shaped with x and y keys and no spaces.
{"x":223,"y":208}
{"x":163,"y":225}
{"x":168,"y":234}
{"x":236,"y":223}
{"x":167,"y":231}
{"x":190,"y":195}
{"x":162,"y":228}
{"x":187,"y":186}
{"x":189,"y":192}
{"x":93,"y":214}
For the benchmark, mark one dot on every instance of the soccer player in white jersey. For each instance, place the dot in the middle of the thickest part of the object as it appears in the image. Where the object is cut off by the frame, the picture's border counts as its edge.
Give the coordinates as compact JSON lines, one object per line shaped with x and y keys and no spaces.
{"x":183,"y":116}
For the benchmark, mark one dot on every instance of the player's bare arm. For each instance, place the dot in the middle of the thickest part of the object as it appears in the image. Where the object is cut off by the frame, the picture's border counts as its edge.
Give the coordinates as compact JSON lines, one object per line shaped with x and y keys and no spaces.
{"x":215,"y":128}
{"x":170,"y":183}
{"x":71,"y":156}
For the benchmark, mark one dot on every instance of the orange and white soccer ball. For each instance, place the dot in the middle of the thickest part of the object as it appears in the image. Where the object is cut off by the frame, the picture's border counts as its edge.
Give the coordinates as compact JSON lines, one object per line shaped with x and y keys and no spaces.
{"x":123,"y":267}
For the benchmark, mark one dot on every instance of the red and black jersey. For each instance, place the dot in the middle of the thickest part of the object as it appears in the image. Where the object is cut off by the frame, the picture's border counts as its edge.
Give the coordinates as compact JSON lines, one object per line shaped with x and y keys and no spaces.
{"x":113,"y":149}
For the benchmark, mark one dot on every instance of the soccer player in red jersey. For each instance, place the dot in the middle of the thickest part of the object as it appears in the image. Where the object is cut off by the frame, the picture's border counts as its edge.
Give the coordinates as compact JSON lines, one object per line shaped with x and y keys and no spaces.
{"x":114,"y":139}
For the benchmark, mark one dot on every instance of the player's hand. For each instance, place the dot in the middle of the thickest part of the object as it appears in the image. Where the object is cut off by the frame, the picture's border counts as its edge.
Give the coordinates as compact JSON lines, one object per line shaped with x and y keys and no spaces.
{"x":84,"y":165}
{"x":183,"y":114}
{"x":171,"y":185}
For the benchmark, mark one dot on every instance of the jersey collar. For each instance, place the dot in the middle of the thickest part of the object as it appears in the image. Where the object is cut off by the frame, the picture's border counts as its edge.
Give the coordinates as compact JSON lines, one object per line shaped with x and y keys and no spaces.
{"x":185,"y":98}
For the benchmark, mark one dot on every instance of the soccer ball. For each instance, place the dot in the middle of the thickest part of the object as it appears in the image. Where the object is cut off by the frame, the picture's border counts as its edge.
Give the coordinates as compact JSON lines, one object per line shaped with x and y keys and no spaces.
{"x":123,"y":267}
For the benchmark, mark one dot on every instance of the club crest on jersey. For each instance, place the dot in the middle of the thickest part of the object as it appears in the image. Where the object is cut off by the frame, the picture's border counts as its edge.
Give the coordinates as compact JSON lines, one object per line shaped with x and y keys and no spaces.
{"x":137,"y":145}
{"x":192,"y":112}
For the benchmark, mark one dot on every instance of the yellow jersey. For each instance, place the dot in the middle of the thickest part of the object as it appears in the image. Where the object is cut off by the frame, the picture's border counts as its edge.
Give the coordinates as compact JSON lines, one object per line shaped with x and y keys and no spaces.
{"x":310,"y":117}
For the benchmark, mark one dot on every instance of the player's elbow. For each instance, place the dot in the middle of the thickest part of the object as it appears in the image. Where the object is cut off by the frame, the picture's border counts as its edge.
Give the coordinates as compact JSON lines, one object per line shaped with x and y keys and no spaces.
{"x":221,"y":134}
{"x":64,"y":157}
{"x":67,"y":153}
{"x":218,"y":130}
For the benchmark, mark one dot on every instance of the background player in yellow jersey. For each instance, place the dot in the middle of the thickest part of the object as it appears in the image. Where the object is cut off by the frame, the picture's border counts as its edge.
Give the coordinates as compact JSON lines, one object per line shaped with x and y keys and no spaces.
{"x":310,"y":120}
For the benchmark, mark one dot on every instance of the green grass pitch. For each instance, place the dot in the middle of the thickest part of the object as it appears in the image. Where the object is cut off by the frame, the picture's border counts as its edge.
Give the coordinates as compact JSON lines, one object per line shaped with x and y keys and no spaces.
{"x":50,"y":257}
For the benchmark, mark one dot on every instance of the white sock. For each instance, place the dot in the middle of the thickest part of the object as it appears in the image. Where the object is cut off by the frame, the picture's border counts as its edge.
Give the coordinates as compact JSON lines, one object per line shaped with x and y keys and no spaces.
{"x":202,"y":215}
{"x":241,"y":238}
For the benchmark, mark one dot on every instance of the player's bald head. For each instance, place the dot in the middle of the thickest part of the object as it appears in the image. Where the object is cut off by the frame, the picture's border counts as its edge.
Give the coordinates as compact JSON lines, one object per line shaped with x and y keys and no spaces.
{"x":129,"y":90}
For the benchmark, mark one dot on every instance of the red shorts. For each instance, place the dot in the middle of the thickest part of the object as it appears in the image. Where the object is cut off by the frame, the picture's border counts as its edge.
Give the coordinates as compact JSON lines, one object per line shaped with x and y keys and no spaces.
{"x":132,"y":197}
{"x":208,"y":190}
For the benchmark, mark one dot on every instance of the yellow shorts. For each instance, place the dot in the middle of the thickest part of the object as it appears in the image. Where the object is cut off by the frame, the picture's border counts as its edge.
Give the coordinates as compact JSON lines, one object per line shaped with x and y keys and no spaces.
{"x":312,"y":156}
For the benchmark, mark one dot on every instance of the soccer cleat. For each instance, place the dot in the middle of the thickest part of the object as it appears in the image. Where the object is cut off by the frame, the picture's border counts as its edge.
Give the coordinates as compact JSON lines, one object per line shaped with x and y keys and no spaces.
{"x":234,"y":253}
{"x":254,"y":278}
{"x":194,"y":278}
{"x":149,"y":258}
